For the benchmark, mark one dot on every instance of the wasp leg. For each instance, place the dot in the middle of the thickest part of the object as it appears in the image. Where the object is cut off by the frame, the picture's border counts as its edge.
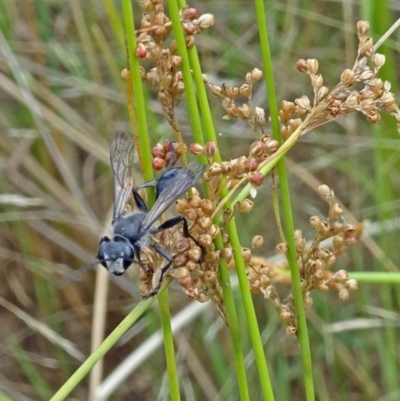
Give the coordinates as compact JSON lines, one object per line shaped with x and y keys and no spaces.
{"x":140,"y":263}
{"x":173,"y":222}
{"x":163,"y":270}
{"x":140,"y":203}
{"x":173,"y":155}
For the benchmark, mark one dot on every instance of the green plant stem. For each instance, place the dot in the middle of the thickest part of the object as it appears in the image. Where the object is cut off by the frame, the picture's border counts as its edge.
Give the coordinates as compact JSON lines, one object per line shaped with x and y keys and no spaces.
{"x":233,"y":324}
{"x":105,"y":346}
{"x":192,"y":58}
{"x":187,"y":75}
{"x":286,"y":206}
{"x":145,"y":157}
{"x":133,"y":64}
{"x":376,"y":277}
{"x":250,"y":313}
{"x":163,"y":302}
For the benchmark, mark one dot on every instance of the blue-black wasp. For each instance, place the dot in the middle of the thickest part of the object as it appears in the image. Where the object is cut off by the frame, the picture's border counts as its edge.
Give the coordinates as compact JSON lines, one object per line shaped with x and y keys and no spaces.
{"x":131,"y":230}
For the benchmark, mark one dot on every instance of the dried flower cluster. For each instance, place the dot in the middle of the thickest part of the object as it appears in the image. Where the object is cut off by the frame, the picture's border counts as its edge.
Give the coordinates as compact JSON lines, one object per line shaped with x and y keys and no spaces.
{"x":374,"y":96}
{"x":165,"y":77}
{"x":195,"y":265}
{"x":314,"y":263}
{"x":227,"y":174}
{"x":253,"y":116}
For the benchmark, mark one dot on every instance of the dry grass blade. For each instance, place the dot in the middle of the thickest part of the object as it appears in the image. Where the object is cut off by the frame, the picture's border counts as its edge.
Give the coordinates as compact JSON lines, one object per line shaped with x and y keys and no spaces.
{"x":44,"y":330}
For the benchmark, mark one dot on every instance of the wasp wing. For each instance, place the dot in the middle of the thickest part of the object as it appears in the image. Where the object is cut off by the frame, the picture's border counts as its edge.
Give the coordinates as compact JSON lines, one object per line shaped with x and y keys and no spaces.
{"x":181,"y":183}
{"x":121,"y":158}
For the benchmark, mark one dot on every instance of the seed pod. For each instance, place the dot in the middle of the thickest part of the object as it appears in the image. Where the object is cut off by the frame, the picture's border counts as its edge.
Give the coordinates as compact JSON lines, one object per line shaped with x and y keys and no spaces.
{"x":362,"y":29}
{"x":226,"y":167}
{"x":158,"y":164}
{"x":182,"y":245}
{"x":250,"y":164}
{"x":181,"y":205}
{"x":378,"y":60}
{"x":246,"y":205}
{"x":215,"y":169}
{"x":324,"y":190}
{"x":272,"y":146}
{"x":286,"y":316}
{"x":337,"y":242}
{"x":312,"y":65}
{"x":336,"y":211}
{"x":214,"y":231}
{"x":124,"y":73}
{"x":216,"y":90}
{"x":196,"y":149}
{"x":340,"y":276}
{"x":141,"y":51}
{"x":344,"y":294}
{"x":179,"y":273}
{"x":205,"y":223}
{"x":244,"y":111}
{"x":352,"y":284}
{"x":191,"y":214}
{"x":347,"y":78}
{"x":205,"y":240}
{"x":265,"y":281}
{"x":303,"y":102}
{"x":246,"y":254}
{"x":194,"y":254}
{"x":188,"y":13}
{"x":207,"y":207}
{"x":302,"y":65}
{"x":211,"y":149}
{"x":365,"y":44}
{"x":226,"y":253}
{"x":308,"y":301}
{"x":315,"y":222}
{"x":257,"y":149}
{"x":256,"y":75}
{"x":317,"y":81}
{"x":257,"y":241}
{"x":194,"y":202}
{"x":232,"y":92}
{"x":245,"y":90}
{"x":256,"y":178}
{"x":206,"y":20}
{"x":191,"y":293}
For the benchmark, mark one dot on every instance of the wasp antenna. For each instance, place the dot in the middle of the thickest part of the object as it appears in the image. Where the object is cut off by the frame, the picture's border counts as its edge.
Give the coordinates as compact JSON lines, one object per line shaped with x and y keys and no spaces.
{"x":77,"y":274}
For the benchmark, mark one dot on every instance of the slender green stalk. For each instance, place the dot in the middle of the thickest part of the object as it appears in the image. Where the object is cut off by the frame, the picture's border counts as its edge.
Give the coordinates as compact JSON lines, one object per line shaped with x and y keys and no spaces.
{"x":105,"y":346}
{"x":187,"y":76}
{"x":286,"y":206}
{"x":133,"y":64}
{"x":250,"y":313}
{"x":376,"y":277}
{"x":233,"y":323}
{"x":192,"y":58}
{"x":163,"y":302}
{"x":139,"y":115}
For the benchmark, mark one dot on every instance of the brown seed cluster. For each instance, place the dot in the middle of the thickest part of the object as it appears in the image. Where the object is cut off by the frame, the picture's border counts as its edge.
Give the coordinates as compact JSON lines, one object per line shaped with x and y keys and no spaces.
{"x":193,"y":269}
{"x":165,"y":77}
{"x":227,"y":174}
{"x":253,"y":116}
{"x":373,"y":97}
{"x":195,"y":263}
{"x":162,"y":154}
{"x":314,"y":263}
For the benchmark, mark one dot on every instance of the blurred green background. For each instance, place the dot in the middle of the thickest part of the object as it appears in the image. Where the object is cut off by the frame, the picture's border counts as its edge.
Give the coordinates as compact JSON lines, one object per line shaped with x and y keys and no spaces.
{"x":61,"y":100}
